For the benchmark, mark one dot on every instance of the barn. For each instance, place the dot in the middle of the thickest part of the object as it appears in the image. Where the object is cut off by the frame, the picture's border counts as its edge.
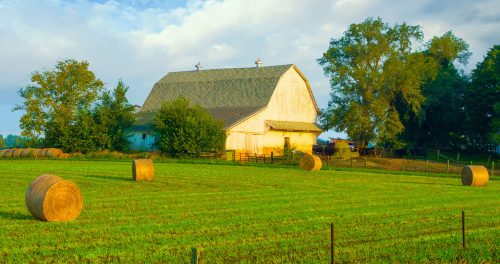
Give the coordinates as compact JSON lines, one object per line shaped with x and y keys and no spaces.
{"x":264,"y":109}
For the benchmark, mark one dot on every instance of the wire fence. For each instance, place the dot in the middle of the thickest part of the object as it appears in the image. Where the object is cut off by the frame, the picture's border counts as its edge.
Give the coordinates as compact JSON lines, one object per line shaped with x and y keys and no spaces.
{"x":437,"y":162}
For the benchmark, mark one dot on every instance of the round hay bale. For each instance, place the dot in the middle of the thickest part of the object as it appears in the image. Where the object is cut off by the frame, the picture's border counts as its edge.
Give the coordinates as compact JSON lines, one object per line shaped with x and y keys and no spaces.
{"x":2,"y":151}
{"x":475,"y":175}
{"x":51,"y":198}
{"x":42,"y":152}
{"x":16,"y":152}
{"x":35,"y":152}
{"x":7,"y":154}
{"x":53,"y":153}
{"x":26,"y":152}
{"x":143,"y":170}
{"x":310,"y":162}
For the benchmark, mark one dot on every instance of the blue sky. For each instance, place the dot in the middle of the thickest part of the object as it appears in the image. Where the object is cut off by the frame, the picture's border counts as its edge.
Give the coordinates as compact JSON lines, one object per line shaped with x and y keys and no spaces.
{"x":140,"y":41}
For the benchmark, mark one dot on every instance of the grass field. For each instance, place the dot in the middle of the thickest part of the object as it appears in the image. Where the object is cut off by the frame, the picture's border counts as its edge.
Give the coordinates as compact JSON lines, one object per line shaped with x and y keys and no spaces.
{"x":245,"y":214}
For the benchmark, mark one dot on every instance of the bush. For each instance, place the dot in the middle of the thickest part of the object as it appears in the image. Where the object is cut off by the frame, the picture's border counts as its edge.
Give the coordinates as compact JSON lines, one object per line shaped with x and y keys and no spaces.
{"x":183,"y":130}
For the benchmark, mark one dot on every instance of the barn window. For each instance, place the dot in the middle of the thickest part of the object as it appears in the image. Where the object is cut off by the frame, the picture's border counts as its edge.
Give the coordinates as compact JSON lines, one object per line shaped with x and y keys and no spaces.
{"x":143,"y":136}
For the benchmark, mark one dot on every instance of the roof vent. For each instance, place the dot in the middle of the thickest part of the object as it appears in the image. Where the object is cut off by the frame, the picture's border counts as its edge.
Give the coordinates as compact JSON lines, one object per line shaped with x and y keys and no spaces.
{"x":198,"y":66}
{"x":258,"y":63}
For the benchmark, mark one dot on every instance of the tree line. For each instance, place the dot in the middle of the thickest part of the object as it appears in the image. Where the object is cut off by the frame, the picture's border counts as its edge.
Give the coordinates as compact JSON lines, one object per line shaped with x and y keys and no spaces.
{"x":390,"y":88}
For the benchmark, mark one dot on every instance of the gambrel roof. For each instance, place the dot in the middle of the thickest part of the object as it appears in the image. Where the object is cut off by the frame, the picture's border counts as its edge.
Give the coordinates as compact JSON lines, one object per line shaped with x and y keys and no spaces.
{"x":231,"y":95}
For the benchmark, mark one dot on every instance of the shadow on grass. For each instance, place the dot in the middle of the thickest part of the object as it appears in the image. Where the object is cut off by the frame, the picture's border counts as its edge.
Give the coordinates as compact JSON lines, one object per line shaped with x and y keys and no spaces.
{"x":110,"y":178}
{"x":16,"y":216}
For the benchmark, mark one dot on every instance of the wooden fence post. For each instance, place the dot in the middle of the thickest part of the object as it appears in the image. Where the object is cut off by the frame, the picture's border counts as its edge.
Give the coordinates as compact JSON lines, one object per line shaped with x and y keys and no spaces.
{"x":332,"y":243}
{"x":196,"y":255}
{"x":463,"y":229}
{"x":448,"y":167}
{"x":458,"y":157}
{"x":492,"y":168}
{"x":272,"y":157}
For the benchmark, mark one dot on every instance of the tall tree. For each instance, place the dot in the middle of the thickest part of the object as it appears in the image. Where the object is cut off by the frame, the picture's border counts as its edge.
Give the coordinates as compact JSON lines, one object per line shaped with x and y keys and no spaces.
{"x":368,"y":67}
{"x":187,"y":130}
{"x":115,"y":115}
{"x":439,"y":122}
{"x":482,"y":101}
{"x":53,"y":100}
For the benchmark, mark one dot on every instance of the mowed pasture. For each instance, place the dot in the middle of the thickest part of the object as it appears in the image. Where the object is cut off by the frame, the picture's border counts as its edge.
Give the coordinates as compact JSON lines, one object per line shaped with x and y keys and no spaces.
{"x":245,"y":214}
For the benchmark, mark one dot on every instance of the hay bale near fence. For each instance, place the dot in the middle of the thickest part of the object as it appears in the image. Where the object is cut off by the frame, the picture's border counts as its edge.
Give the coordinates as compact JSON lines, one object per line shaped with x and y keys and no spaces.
{"x":143,"y":170}
{"x":475,"y":175}
{"x":310,"y":162}
{"x":51,"y":198}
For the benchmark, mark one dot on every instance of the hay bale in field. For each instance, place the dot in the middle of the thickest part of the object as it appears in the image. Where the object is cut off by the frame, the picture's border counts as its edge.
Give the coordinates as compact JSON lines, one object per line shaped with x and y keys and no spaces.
{"x":16,"y":152}
{"x":2,"y":151}
{"x":26,"y":152}
{"x":51,"y":198}
{"x":310,"y":162}
{"x":7,"y":154}
{"x":475,"y":175}
{"x":143,"y":170}
{"x":53,"y":153}
{"x":42,"y":152}
{"x":35,"y":152}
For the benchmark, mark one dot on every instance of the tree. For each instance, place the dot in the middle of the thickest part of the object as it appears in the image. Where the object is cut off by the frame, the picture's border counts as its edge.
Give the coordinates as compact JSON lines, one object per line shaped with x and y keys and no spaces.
{"x":439,"y":122}
{"x":2,"y":142}
{"x":187,"y":131}
{"x":369,"y":67}
{"x":115,"y":115}
{"x":54,"y":99}
{"x":482,"y":101}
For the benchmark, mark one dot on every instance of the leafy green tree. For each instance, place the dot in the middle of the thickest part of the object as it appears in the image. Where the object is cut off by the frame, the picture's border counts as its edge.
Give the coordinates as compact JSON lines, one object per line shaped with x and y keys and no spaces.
{"x":368,"y":67}
{"x":482,"y":101}
{"x":53,"y":100}
{"x":2,"y":142}
{"x":439,"y":121}
{"x":114,"y":115}
{"x":187,"y":130}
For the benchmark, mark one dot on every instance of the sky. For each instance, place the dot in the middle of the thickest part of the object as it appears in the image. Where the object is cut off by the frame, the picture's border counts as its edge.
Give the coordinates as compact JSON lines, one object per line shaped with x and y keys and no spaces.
{"x":140,"y":41}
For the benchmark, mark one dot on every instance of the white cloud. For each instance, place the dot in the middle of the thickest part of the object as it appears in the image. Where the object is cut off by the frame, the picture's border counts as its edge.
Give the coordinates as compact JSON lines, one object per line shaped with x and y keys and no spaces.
{"x":141,"y":42}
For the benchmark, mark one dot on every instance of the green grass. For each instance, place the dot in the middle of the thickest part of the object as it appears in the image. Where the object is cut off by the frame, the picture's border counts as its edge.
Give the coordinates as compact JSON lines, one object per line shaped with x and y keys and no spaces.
{"x":248,"y":214}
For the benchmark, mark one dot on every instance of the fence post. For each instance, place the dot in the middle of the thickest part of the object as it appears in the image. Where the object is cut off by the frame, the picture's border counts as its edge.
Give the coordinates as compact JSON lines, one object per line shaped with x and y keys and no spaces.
{"x":234,"y":155}
{"x":437,"y":154}
{"x":264,"y":155}
{"x":403,"y":165}
{"x":272,"y":157}
{"x":351,"y":162}
{"x":256,"y":161}
{"x":332,"y":243}
{"x":463,"y":229}
{"x":458,"y":157}
{"x":240,"y":156}
{"x":448,"y":167}
{"x":427,"y":166}
{"x":196,"y":255}
{"x":366,"y":163}
{"x":471,"y":162}
{"x":492,"y":168}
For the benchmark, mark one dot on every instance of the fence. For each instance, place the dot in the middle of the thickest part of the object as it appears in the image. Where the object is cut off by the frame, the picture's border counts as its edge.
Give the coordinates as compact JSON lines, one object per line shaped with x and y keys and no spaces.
{"x":442,"y":163}
{"x":451,"y":233}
